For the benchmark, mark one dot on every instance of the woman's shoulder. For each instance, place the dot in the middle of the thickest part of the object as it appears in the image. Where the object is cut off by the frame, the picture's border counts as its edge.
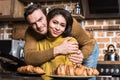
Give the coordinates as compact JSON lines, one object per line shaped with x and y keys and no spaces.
{"x":71,"y":38}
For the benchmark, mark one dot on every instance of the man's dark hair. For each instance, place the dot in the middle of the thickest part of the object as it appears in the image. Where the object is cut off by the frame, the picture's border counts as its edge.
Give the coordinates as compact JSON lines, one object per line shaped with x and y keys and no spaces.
{"x":66,"y":15}
{"x":30,"y":9}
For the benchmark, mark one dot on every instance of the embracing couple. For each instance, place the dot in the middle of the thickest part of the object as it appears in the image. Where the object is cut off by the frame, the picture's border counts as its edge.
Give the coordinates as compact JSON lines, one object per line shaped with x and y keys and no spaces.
{"x":57,"y":38}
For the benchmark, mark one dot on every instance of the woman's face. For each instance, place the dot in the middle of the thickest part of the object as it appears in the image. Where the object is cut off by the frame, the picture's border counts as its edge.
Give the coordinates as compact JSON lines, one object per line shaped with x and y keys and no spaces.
{"x":57,"y":26}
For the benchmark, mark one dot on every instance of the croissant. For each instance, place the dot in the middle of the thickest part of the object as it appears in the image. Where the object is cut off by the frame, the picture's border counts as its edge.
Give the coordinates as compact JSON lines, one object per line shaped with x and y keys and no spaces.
{"x":95,"y":71}
{"x":89,"y":71}
{"x":30,"y":69}
{"x":61,"y":69}
{"x":70,"y":70}
{"x":77,"y":70}
{"x":38,"y":70}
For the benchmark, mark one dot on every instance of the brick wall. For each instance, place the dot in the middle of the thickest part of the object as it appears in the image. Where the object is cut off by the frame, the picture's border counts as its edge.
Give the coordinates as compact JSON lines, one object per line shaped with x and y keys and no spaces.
{"x":105,"y":32}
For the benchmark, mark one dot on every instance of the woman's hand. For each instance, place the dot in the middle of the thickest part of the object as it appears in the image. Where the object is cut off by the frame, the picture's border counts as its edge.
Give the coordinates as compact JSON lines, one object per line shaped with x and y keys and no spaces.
{"x":76,"y":58}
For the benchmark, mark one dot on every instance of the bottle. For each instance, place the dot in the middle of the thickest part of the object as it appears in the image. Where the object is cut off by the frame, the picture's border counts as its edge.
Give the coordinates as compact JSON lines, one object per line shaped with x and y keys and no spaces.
{"x":77,"y":8}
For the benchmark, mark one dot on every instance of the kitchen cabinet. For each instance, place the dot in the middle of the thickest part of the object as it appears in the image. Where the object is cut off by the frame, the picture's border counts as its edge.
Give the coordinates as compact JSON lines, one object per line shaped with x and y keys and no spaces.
{"x":11,"y":10}
{"x":6,"y":8}
{"x":51,"y":3}
{"x":101,"y":9}
{"x":27,"y":1}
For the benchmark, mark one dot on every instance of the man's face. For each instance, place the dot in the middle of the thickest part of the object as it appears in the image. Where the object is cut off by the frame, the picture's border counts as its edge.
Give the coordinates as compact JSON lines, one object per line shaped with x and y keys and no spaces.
{"x":38,"y":21}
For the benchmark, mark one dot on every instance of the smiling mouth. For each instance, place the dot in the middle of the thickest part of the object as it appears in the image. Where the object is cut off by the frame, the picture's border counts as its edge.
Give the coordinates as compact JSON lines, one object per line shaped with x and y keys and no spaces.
{"x":56,"y":33}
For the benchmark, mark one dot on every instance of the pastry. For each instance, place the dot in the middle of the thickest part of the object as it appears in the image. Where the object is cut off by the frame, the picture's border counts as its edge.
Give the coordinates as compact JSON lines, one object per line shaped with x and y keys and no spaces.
{"x":30,"y":69}
{"x":38,"y":70}
{"x":70,"y":70}
{"x":77,"y":70}
{"x":61,"y":69}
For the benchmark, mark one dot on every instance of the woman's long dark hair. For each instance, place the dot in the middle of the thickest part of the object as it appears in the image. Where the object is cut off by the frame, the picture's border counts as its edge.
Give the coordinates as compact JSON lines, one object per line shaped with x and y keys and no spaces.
{"x":66,"y":15}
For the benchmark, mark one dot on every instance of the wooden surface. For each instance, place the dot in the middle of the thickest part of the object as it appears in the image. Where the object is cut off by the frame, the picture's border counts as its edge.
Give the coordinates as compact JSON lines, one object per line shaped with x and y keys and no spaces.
{"x":6,"y":8}
{"x":108,"y":62}
{"x":79,"y":17}
{"x":15,"y":76}
{"x":26,"y":1}
{"x":11,"y":10}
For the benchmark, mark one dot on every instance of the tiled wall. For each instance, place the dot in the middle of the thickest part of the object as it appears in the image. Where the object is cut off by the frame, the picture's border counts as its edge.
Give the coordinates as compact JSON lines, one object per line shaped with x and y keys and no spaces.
{"x":105,"y":32}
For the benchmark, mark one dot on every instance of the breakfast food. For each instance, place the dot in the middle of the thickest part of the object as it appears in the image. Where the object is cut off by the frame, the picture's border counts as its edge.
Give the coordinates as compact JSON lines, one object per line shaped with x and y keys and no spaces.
{"x":30,"y":69}
{"x":61,"y":70}
{"x":78,"y":70}
{"x":38,"y":70}
{"x":65,"y":70}
{"x":70,"y":70}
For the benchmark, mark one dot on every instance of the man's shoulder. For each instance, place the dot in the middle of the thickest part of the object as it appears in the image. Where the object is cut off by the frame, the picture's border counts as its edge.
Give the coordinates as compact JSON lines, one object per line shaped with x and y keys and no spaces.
{"x":34,"y":34}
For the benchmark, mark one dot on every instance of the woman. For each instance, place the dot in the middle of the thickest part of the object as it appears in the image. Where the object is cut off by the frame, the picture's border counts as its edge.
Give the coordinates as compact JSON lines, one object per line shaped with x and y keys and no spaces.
{"x":59,"y":28}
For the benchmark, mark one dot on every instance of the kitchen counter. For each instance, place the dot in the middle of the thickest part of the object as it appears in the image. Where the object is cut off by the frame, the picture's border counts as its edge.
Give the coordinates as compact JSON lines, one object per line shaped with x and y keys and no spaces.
{"x":16,"y":76}
{"x":108,"y":62}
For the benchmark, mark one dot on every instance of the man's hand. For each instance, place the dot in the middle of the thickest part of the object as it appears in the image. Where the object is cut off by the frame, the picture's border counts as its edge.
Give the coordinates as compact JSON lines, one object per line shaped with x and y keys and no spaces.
{"x":76,"y":58}
{"x":66,"y":47}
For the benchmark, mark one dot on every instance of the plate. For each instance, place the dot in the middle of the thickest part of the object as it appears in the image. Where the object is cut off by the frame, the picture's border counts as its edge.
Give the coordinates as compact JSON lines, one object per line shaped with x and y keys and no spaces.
{"x":30,"y":74}
{"x":69,"y":77}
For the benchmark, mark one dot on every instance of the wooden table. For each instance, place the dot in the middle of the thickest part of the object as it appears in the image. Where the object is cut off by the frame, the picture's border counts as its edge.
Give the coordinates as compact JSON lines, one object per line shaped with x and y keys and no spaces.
{"x":15,"y":76}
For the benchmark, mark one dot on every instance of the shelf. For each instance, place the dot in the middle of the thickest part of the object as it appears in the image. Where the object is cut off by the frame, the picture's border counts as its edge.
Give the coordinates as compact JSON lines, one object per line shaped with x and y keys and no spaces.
{"x":13,"y":11}
{"x":79,"y":17}
{"x":108,"y":62}
{"x":43,"y":1}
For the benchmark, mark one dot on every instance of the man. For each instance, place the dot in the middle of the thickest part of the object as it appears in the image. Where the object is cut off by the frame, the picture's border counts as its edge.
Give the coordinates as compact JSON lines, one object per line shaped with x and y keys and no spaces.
{"x":37,"y":31}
